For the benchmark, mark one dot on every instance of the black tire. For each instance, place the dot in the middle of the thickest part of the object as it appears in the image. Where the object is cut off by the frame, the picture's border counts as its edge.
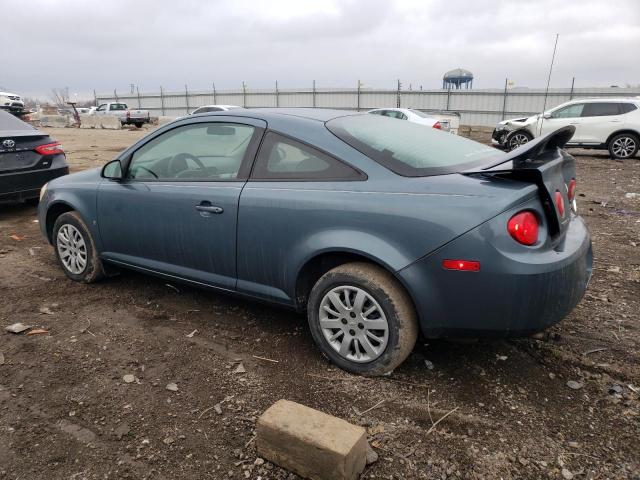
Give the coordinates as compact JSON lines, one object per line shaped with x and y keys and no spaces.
{"x":517,"y":139}
{"x":623,"y":146}
{"x":138,"y":124}
{"x":394,"y":302}
{"x":93,"y":271}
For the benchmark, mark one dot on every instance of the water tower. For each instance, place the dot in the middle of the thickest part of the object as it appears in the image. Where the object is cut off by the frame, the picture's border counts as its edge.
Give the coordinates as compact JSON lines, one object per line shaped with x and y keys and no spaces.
{"x":456,"y":79}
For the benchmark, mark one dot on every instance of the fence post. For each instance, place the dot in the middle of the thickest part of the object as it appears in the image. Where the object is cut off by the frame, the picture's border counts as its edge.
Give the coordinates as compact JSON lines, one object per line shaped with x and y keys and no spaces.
{"x":504,"y":100}
{"x":162,"y":100}
{"x":138,"y":92}
{"x":573,"y":80}
{"x":398,"y":94}
{"x":115,"y":94}
{"x":214,"y":93}
{"x":358,"y":101}
{"x":314,"y":94}
{"x":95,"y":98}
{"x":448,"y":97}
{"x":186,"y":97}
{"x":244,"y":95}
{"x":277,"y":95}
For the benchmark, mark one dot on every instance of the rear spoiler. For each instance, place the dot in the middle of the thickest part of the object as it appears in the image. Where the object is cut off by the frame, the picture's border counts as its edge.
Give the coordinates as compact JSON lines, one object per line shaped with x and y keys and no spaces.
{"x":526,"y":155}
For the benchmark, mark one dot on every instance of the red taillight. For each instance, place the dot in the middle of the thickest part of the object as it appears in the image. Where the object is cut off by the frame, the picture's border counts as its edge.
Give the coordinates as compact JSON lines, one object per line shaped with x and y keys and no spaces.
{"x":571,"y":189}
{"x":128,"y":114}
{"x":437,"y":125}
{"x":560,"y":203}
{"x":49,"y":149}
{"x":464,"y":265}
{"x":523,"y":227}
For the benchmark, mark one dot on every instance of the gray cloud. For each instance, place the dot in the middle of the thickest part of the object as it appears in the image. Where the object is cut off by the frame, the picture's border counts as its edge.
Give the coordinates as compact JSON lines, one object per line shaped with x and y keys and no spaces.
{"x":107,"y":45}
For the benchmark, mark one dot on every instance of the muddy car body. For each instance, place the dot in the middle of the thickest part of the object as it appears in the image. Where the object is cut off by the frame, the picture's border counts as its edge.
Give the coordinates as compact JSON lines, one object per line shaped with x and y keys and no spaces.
{"x":377,"y":228}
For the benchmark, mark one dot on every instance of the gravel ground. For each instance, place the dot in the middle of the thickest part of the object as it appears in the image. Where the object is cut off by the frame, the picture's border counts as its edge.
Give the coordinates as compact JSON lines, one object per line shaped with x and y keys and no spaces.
{"x":66,"y":410}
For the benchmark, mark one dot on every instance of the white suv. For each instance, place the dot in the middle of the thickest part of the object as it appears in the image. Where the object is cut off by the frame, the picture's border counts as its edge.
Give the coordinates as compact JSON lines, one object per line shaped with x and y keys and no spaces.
{"x":602,"y":123}
{"x":11,"y":101}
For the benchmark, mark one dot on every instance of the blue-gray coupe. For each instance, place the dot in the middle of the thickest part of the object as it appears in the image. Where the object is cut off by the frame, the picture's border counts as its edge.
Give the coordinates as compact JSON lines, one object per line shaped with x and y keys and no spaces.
{"x":379,"y":229}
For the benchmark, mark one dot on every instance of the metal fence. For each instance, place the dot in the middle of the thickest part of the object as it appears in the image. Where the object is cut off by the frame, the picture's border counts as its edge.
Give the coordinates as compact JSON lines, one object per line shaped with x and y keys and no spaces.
{"x":477,"y":107}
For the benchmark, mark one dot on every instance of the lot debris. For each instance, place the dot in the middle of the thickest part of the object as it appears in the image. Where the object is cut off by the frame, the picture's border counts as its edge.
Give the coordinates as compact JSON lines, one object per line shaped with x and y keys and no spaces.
{"x":218,"y":408}
{"x":311,"y":443}
{"x":190,"y":335}
{"x":630,"y":195}
{"x":46,"y":311}
{"x":615,"y":389}
{"x":566,"y":474}
{"x":17,"y":238}
{"x":372,"y":456}
{"x":429,"y":364}
{"x":240,"y":368}
{"x":574,"y":385}
{"x":172,"y":387}
{"x":128,"y":378}
{"x":266,"y":359}
{"x":172,"y":287}
{"x":502,"y":358}
{"x":1,"y":358}
{"x":37,"y":331}
{"x":595,"y":350}
{"x":17,"y":327}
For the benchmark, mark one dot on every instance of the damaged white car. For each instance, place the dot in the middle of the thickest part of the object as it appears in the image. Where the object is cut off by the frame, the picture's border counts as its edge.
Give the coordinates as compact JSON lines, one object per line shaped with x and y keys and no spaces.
{"x":601,"y":123}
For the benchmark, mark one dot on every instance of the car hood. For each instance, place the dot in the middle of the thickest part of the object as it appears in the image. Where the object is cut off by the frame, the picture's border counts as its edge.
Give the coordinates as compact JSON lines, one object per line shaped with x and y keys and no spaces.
{"x":519,"y":122}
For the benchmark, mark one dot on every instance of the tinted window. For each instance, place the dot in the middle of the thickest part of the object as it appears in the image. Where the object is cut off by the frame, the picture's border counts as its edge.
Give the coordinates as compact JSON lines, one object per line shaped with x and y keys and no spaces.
{"x":627,"y":107}
{"x":282,"y":158}
{"x":570,"y":111}
{"x":410,"y":149}
{"x":601,"y":109}
{"x":118,"y":106}
{"x":202,"y":151}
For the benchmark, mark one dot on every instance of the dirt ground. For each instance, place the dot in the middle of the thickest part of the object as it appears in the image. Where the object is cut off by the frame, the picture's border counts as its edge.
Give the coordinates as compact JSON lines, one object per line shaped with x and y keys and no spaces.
{"x":67,"y":413}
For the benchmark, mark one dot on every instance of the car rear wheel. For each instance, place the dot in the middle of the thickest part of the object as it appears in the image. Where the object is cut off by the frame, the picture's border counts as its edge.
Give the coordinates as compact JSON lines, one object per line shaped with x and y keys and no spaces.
{"x":518,"y":139}
{"x":623,"y":145}
{"x":75,"y":249}
{"x":362,"y":319}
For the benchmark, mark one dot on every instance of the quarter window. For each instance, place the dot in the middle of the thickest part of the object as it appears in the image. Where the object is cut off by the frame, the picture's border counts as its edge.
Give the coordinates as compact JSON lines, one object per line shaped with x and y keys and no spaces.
{"x":282,"y":158}
{"x":601,"y":109}
{"x":627,"y":107}
{"x":201,"y":151}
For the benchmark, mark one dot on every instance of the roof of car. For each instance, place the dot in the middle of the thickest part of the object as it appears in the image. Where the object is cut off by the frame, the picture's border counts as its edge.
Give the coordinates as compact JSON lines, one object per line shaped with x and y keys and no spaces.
{"x":13,"y":126}
{"x":318,"y":114}
{"x":605,"y":99}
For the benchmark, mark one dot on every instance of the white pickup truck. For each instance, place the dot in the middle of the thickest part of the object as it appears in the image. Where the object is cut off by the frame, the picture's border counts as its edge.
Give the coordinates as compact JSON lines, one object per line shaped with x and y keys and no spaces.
{"x":122,"y":111}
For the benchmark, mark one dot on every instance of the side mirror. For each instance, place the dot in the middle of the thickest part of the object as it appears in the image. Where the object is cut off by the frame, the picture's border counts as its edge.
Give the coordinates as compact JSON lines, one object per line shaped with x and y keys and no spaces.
{"x":547,"y":115}
{"x":112,"y":170}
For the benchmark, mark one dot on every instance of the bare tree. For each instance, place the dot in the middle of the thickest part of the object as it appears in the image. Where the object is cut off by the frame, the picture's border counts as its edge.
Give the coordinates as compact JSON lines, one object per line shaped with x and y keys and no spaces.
{"x":60,"y":97}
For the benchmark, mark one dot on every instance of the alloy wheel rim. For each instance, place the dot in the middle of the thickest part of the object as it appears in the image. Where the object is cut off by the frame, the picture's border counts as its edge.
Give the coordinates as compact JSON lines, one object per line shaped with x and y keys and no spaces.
{"x":72,"y":249}
{"x":353,"y":324}
{"x":623,"y":147}
{"x":518,"y":140}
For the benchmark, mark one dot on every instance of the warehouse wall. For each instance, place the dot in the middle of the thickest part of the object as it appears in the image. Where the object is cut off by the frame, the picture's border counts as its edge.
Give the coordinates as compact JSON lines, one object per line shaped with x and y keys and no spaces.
{"x":476,"y":107}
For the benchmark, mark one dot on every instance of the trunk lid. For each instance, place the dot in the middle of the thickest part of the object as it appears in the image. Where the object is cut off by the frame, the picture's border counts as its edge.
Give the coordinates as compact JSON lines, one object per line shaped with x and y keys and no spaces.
{"x":544,"y":163}
{"x":17,"y":153}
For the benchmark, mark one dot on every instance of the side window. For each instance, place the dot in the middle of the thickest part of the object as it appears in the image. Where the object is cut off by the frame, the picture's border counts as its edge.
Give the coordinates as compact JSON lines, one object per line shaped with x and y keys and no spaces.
{"x":281,"y":158}
{"x":101,"y":107}
{"x":570,"y":111}
{"x":118,"y":106}
{"x":401,"y":116}
{"x":601,"y":109}
{"x":201,"y":151}
{"x":627,"y":107}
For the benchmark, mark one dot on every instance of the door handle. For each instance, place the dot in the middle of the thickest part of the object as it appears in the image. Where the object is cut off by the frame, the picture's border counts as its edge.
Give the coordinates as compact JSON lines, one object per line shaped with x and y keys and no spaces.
{"x":574,"y":123}
{"x":209,"y":208}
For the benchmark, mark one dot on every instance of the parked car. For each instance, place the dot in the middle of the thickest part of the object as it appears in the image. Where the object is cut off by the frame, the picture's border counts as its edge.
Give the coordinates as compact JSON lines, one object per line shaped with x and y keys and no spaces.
{"x":28,"y":159}
{"x":601,"y":123}
{"x":126,"y":115}
{"x":11,"y":101}
{"x":83,"y":110}
{"x":377,"y":228}
{"x":213,"y":108}
{"x":416,"y":116}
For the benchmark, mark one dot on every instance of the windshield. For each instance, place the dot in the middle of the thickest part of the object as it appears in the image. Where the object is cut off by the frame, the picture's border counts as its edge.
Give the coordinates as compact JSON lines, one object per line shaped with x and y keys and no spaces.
{"x":410,"y":149}
{"x":420,"y":114}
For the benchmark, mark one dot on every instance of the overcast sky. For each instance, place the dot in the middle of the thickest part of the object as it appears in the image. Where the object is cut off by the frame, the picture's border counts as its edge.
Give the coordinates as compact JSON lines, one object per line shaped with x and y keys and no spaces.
{"x":107,"y":44}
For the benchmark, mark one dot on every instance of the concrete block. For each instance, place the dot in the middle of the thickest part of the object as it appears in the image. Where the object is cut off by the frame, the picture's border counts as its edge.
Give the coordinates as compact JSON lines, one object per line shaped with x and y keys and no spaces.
{"x":311,"y":443}
{"x":95,"y":121}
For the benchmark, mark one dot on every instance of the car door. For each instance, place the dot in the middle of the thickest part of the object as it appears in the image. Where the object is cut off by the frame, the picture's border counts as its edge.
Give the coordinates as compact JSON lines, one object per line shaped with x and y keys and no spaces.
{"x":101,"y":110}
{"x":175,"y":211}
{"x":599,"y":120}
{"x":561,"y":117}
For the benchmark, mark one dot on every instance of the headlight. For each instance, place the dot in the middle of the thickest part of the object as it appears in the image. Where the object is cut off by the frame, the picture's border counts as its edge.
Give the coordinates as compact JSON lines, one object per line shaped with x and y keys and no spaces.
{"x":43,"y":190}
{"x":500,"y":127}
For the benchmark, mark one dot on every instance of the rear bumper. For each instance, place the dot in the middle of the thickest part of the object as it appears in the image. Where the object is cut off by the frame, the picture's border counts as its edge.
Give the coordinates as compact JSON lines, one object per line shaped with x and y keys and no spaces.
{"x":516,"y":293}
{"x":26,"y":185}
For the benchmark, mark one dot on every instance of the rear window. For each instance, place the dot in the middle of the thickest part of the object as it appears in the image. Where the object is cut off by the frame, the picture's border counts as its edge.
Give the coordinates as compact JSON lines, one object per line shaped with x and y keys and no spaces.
{"x":410,"y":149}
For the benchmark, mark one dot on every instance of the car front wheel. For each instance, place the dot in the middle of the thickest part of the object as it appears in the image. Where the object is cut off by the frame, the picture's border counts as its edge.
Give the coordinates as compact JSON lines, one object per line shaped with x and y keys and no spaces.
{"x":75,"y":249}
{"x":623,"y":145}
{"x":518,"y":139}
{"x":362,"y":319}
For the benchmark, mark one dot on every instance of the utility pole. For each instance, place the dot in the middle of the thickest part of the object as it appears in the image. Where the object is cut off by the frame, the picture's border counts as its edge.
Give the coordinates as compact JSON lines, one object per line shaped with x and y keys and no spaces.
{"x":398,"y":94}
